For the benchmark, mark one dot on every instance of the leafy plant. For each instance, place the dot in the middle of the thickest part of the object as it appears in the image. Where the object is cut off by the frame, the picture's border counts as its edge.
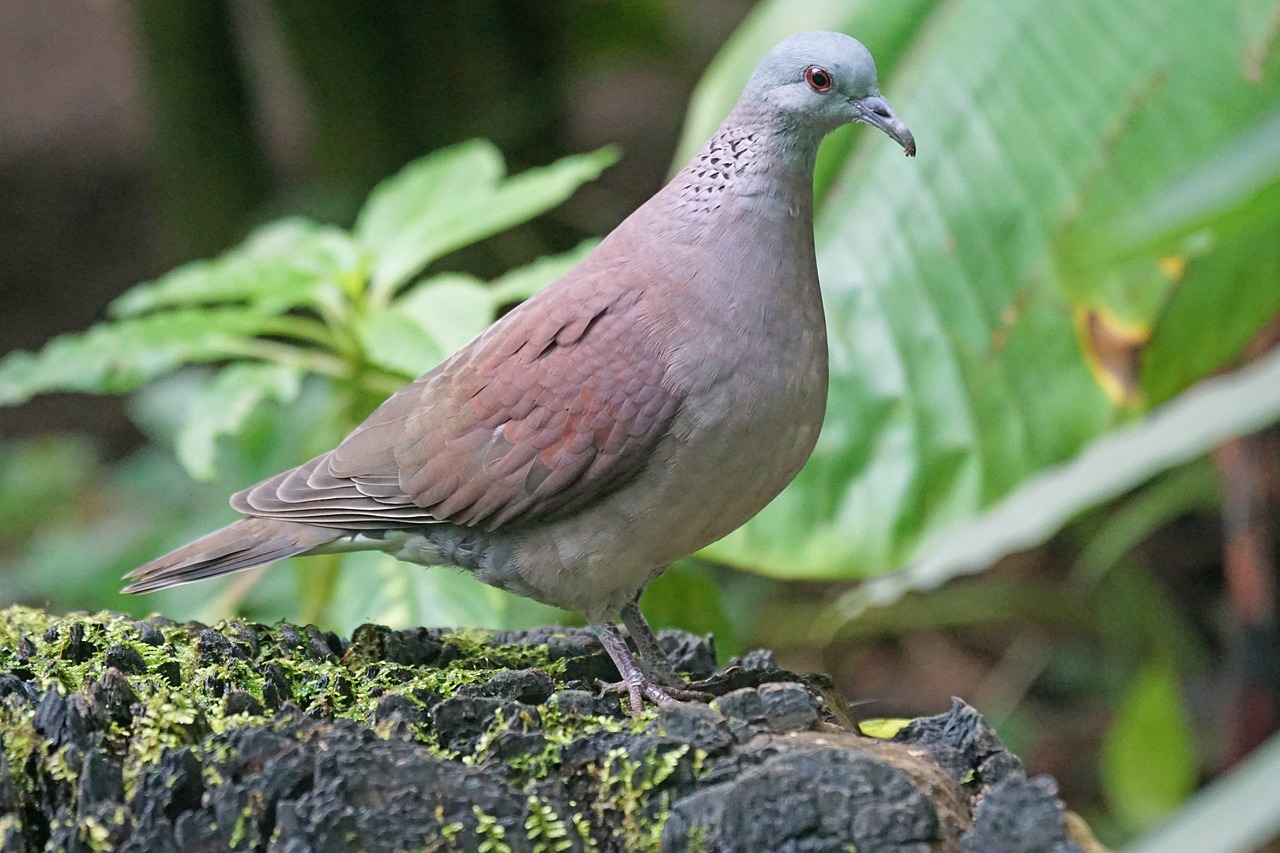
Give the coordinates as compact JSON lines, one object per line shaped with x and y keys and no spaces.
{"x":1028,"y":319}
{"x":300,"y":301}
{"x":298,"y":297}
{"x":1075,"y":245}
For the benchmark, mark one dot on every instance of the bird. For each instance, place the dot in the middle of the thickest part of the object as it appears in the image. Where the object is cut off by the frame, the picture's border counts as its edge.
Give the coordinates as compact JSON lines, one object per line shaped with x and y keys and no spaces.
{"x":645,"y":404}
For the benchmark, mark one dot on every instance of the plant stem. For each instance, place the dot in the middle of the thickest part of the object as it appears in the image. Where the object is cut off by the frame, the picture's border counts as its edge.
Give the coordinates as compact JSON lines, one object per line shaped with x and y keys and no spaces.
{"x":306,"y":329}
{"x":307,"y":359}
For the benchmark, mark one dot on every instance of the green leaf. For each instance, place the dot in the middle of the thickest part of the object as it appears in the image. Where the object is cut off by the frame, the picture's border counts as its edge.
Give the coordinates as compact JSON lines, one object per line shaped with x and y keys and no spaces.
{"x":456,"y":197}
{"x":1148,"y":763}
{"x":121,"y":356}
{"x":423,"y":327}
{"x":686,"y":596}
{"x":520,"y":283}
{"x":145,"y":504}
{"x":36,"y":476}
{"x":441,"y":315}
{"x":224,"y":404}
{"x":280,"y":266}
{"x":993,"y":302}
{"x":376,"y":587}
{"x":1189,"y":426}
{"x":134,"y":510}
{"x":1239,"y":811}
{"x":425,"y":188}
{"x":1183,"y":253}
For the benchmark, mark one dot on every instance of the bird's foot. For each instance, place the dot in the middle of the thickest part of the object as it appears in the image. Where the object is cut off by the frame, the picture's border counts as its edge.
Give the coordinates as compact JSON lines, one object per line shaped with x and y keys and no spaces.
{"x":663,"y":676}
{"x":661,"y":688}
{"x":653,"y":660}
{"x":646,"y":688}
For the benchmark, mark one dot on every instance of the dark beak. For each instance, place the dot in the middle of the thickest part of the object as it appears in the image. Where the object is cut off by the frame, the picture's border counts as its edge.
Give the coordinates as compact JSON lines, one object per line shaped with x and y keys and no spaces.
{"x":875,"y":111}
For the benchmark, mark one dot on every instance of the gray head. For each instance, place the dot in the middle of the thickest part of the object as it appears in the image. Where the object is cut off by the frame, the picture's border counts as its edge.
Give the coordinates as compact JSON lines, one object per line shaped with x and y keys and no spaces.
{"x":822,"y":81}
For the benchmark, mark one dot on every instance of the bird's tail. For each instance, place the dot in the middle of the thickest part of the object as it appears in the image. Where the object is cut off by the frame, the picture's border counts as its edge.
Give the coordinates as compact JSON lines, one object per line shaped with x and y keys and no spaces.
{"x":241,"y":545}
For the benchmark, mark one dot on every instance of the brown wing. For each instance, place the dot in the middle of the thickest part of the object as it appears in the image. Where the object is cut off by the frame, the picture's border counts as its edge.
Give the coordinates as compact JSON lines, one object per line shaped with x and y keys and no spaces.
{"x":552,"y":408}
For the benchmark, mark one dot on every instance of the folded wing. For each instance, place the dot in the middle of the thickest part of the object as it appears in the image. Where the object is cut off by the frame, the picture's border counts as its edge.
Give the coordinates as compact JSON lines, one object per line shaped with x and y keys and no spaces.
{"x":551,"y":408}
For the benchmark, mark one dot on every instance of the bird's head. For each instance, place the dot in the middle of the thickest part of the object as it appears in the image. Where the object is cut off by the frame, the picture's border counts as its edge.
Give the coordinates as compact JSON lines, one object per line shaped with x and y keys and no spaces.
{"x":822,"y":81}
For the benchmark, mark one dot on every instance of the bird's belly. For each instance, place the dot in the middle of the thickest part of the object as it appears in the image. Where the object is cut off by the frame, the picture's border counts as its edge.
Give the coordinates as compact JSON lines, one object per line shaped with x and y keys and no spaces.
{"x":730,"y":451}
{"x":744,"y":448}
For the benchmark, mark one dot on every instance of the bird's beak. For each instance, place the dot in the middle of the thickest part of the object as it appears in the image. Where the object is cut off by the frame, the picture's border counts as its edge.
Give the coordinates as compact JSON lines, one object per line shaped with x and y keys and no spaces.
{"x":875,"y":111}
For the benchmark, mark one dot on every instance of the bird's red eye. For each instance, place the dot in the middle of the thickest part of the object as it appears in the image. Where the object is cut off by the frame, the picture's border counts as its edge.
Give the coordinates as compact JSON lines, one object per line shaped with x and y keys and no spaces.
{"x":819,"y":79}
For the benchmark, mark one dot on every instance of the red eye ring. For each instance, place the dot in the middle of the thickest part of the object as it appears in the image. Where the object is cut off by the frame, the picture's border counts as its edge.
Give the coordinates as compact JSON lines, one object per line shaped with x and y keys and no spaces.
{"x":819,"y":79}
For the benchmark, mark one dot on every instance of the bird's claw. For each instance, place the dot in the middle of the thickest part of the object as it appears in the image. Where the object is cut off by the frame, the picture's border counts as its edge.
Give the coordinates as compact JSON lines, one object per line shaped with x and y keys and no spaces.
{"x":661,"y":695}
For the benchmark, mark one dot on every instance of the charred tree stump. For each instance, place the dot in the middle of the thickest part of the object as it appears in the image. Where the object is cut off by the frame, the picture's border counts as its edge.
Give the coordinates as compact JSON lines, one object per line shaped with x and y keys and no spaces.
{"x":118,"y":734}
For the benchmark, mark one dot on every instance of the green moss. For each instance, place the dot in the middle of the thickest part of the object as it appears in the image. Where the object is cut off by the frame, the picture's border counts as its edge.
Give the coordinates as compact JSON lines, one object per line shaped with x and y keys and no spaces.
{"x":583,"y":827}
{"x":493,"y":835}
{"x":696,"y":839}
{"x":19,"y":739}
{"x":10,"y":826}
{"x":450,"y":831}
{"x":183,"y":686}
{"x":545,"y":829}
{"x":539,"y":765}
{"x":476,"y":649}
{"x":96,"y":834}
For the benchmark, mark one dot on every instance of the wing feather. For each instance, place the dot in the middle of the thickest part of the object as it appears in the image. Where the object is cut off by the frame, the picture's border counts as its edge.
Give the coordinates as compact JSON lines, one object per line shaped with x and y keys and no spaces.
{"x":554,"y":406}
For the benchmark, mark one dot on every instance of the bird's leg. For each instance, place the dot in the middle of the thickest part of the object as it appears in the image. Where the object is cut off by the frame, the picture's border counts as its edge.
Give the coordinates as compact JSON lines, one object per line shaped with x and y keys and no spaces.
{"x":652,"y":657}
{"x":635,"y":681}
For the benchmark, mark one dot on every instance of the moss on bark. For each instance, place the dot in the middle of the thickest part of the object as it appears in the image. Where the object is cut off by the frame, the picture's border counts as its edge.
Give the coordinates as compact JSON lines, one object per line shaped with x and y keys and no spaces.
{"x":120,"y":734}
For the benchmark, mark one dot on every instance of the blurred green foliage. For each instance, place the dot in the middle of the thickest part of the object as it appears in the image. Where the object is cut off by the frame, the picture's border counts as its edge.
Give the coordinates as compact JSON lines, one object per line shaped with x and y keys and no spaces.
{"x":297,"y":303}
{"x":302,"y":298}
{"x":1019,"y":319}
{"x":1087,"y":231}
{"x":1148,"y":764}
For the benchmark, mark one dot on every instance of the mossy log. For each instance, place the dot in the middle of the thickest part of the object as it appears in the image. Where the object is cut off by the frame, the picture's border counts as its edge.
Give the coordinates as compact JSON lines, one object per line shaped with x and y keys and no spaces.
{"x":119,"y":734}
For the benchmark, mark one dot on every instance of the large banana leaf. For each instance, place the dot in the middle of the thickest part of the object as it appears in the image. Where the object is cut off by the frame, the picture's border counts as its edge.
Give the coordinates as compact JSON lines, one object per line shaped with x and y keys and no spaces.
{"x":1090,"y":228}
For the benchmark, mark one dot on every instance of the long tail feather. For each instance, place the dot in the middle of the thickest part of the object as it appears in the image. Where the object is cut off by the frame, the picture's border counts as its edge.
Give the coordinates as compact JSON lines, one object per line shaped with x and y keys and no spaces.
{"x":241,"y":545}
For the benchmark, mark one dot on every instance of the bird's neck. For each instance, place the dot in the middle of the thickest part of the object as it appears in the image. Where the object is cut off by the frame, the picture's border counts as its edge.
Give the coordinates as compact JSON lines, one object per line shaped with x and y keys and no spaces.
{"x":751,"y":166}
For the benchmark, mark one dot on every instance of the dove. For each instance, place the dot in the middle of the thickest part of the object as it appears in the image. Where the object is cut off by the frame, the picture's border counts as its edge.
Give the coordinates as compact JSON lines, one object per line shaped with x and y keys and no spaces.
{"x":642,"y":406}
